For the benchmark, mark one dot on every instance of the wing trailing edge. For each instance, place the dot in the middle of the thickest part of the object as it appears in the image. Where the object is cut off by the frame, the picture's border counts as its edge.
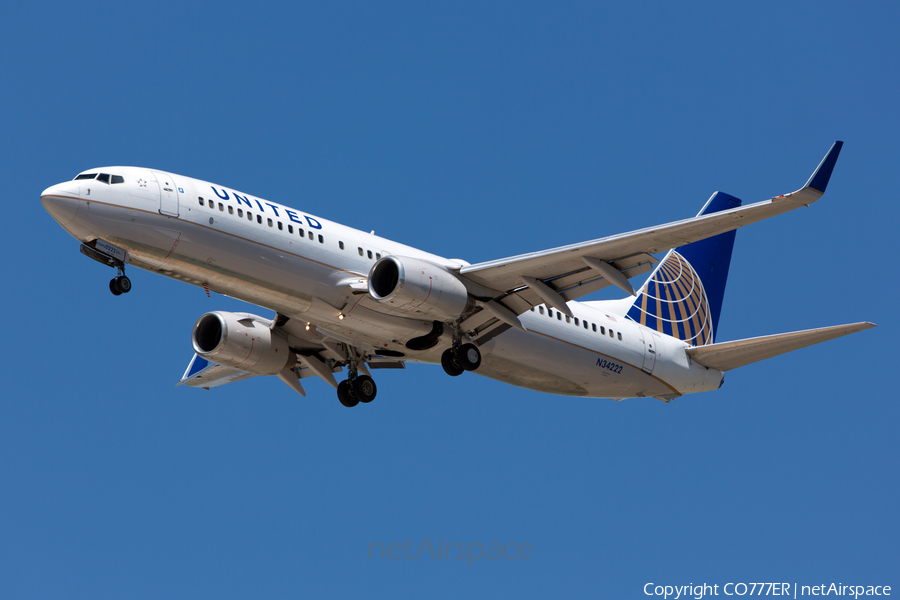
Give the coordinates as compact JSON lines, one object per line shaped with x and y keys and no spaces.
{"x":731,"y":355}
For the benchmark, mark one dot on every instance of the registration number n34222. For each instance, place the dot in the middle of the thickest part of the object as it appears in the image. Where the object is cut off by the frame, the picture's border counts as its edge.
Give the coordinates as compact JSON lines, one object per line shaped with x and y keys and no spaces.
{"x":609,"y":365}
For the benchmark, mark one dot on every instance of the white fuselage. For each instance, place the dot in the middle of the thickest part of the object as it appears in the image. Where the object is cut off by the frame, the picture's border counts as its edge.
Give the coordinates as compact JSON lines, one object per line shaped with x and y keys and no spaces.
{"x":303,"y":266}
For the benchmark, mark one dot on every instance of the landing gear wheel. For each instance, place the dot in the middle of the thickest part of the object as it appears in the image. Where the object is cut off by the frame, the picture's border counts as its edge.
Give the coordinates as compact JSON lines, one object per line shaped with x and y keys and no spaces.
{"x":450,"y":362}
{"x":124,"y":284}
{"x":346,"y":394}
{"x":364,"y":388}
{"x":119,"y":285}
{"x":469,"y":357}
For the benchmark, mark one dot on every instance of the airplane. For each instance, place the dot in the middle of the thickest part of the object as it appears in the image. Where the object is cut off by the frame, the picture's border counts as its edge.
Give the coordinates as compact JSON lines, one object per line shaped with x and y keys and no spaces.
{"x":346,"y":299}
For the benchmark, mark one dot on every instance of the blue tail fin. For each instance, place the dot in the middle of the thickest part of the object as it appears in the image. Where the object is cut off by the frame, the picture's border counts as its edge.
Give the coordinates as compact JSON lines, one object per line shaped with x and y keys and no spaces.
{"x":683,"y":296}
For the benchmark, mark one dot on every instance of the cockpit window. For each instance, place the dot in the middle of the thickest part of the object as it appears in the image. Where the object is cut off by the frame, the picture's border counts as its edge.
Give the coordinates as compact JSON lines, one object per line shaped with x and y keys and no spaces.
{"x":104,"y":177}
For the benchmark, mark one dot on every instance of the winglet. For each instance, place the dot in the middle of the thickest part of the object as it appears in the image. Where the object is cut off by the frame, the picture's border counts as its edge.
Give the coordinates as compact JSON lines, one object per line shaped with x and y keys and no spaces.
{"x":819,"y":179}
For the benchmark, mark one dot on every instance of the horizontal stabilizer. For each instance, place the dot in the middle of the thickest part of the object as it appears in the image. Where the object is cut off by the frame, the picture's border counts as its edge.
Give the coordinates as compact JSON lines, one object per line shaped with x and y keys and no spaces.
{"x":731,"y":355}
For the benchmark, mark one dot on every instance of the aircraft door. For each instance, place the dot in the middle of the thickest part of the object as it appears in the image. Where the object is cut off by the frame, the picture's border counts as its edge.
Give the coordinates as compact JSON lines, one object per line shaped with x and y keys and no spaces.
{"x":168,"y":194}
{"x":649,"y":350}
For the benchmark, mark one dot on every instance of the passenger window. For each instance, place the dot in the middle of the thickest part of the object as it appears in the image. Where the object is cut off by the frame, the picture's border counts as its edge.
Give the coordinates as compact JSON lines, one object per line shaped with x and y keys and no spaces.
{"x":602,"y":330}
{"x":559,"y":316}
{"x":341,"y":245}
{"x":249,"y":216}
{"x":620,"y":336}
{"x":290,"y":229}
{"x":311,"y":235}
{"x":550,"y":312}
{"x":104,"y":177}
{"x":611,"y":333}
{"x":201,"y":202}
{"x":377,"y":256}
{"x":568,"y":319}
{"x":541,"y":309}
{"x":280,"y":226}
{"x":360,"y":251}
{"x":269,"y":221}
{"x":240,"y":212}
{"x":321,"y":239}
{"x":212,"y":205}
{"x":300,"y":232}
{"x":118,"y":179}
{"x":576,"y":321}
{"x":594,"y":327}
{"x":221,"y":207}
{"x":369,"y":253}
{"x":230,"y":210}
{"x":259,"y":219}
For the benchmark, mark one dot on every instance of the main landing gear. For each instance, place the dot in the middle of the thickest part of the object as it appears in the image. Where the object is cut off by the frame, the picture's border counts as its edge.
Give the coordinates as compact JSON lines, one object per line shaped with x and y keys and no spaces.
{"x":120,"y":284}
{"x":356,"y":388}
{"x":351,"y":392}
{"x":460,"y":357}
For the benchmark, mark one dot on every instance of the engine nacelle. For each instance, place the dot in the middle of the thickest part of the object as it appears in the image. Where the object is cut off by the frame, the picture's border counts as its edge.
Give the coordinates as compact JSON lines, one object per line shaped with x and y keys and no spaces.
{"x":242,"y":341}
{"x":417,"y":287}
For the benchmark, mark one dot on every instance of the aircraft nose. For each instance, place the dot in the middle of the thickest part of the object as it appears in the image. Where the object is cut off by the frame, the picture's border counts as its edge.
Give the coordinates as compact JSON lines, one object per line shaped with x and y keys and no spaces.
{"x":61,"y":201}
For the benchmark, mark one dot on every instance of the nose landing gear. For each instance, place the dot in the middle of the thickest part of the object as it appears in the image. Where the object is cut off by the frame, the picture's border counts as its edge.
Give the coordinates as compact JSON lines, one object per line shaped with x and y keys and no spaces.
{"x":117,"y":285}
{"x":120,"y":284}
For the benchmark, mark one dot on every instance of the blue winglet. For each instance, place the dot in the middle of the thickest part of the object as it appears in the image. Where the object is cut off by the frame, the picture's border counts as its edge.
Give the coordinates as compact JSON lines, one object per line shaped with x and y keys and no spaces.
{"x":198,"y":364}
{"x":819,"y":179}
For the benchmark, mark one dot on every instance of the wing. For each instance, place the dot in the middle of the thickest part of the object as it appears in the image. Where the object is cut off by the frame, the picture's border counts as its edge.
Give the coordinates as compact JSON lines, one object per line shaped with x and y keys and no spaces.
{"x":515,"y":284}
{"x":317,"y":355}
{"x":205,"y":374}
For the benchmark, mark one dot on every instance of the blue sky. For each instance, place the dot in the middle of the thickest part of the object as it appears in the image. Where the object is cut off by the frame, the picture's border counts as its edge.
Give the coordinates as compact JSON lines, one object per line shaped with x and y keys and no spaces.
{"x":472,"y":130}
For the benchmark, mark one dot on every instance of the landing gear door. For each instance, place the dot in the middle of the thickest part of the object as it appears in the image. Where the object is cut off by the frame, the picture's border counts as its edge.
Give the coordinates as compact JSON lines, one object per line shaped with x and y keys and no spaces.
{"x":649,"y":350}
{"x":168,"y":194}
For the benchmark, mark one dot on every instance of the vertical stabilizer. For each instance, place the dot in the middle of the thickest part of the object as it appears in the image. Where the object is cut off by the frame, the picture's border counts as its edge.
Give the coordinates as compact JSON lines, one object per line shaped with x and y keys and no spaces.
{"x":683,"y":296}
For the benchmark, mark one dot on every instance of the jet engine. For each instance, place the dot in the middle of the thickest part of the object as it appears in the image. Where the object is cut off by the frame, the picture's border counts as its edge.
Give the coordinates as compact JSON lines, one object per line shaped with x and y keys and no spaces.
{"x":242,"y":341}
{"x":417,"y":287}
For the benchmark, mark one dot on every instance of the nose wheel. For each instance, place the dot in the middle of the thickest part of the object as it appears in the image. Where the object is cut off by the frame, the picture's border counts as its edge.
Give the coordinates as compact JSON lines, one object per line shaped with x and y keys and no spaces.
{"x":119,"y":285}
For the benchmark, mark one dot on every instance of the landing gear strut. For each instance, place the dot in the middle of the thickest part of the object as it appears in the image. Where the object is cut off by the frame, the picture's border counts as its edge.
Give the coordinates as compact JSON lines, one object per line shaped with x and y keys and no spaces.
{"x":356,"y":388}
{"x":460,"y":357}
